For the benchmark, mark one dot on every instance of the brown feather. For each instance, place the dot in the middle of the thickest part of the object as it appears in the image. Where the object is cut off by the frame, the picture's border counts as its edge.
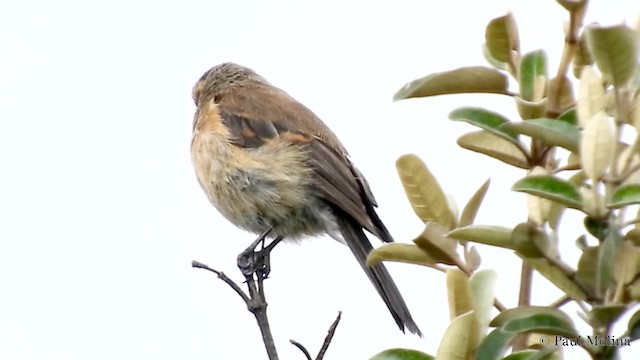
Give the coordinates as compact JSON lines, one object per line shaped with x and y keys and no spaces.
{"x":338,"y":181}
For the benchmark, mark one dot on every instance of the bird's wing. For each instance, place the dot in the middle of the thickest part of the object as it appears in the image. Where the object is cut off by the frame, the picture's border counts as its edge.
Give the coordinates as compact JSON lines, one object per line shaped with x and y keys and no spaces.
{"x":338,"y":181}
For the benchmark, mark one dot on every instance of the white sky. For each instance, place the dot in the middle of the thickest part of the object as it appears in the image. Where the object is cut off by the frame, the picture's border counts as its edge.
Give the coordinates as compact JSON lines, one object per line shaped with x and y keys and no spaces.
{"x":101,"y":214}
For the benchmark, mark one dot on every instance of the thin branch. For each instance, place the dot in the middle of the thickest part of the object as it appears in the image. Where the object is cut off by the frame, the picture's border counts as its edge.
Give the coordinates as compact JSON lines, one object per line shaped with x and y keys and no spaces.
{"x":325,"y":344}
{"x":330,"y":333}
{"x":302,"y":348}
{"x":255,"y":302}
{"x":223,"y":277}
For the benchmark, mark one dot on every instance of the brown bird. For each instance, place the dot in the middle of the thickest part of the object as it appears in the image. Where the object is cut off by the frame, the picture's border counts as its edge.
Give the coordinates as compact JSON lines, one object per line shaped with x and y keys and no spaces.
{"x":271,"y":166}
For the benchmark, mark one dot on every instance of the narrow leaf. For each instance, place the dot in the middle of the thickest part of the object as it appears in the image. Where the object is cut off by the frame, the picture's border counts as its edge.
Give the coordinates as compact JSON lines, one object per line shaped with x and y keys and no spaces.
{"x":486,"y":120}
{"x":552,"y":132}
{"x":496,"y":147}
{"x":558,"y":277}
{"x":398,"y":252}
{"x":527,"y":311}
{"x":471,"y":209}
{"x":423,"y":191}
{"x":494,"y":345}
{"x":550,"y":187}
{"x":475,"y":79}
{"x":542,"y":323}
{"x":624,"y":195}
{"x":458,"y":293}
{"x":489,"y":235}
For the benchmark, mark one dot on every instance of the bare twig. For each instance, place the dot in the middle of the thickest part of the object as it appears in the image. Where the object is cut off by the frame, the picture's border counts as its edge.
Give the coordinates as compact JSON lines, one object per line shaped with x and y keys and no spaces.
{"x":302,"y":348}
{"x":255,"y":302}
{"x":330,"y":333}
{"x":325,"y":344}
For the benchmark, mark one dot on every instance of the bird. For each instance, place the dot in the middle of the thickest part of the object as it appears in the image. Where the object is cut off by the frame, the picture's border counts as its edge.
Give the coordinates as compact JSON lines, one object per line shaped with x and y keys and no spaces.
{"x":270,"y":166}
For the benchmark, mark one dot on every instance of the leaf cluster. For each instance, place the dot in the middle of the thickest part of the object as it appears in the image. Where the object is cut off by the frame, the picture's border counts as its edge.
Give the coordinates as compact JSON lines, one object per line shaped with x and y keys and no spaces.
{"x":575,"y":159}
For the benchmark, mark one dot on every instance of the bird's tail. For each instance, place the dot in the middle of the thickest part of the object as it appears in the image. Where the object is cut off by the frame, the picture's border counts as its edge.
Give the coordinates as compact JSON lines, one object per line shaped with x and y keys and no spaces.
{"x":359,"y":244}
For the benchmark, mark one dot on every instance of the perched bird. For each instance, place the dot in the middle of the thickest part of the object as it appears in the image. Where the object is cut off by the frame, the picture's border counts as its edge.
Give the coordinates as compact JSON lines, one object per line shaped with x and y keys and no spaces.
{"x":270,"y":165}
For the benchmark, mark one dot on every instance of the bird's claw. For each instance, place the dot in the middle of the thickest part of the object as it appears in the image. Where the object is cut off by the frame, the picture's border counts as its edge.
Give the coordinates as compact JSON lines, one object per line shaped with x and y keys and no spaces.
{"x":254,"y":262}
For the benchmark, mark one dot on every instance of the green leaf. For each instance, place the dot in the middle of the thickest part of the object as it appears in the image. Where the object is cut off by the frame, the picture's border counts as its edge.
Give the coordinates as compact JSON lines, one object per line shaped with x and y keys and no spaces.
{"x":586,"y":274}
{"x":489,"y":235}
{"x":501,"y":38}
{"x":542,"y":323}
{"x":402,"y":354}
{"x":570,"y":116}
{"x":604,"y":315}
{"x":624,"y":195}
{"x":531,"y":355}
{"x":459,"y":339}
{"x":482,"y":285}
{"x":399,"y":252}
{"x":606,"y":260}
{"x":615,"y":50}
{"x":529,"y":240}
{"x":558,"y":277}
{"x":633,"y":329}
{"x":496,"y":147}
{"x":599,"y":228}
{"x":472,"y":258}
{"x":526,"y":311}
{"x":552,"y":132}
{"x":531,"y":109}
{"x":625,"y":263}
{"x":492,"y":61}
{"x":474,"y":79}
{"x":437,"y":245}
{"x":533,"y":75}
{"x":424,"y":192}
{"x":471,"y":209}
{"x":494,"y":345}
{"x":572,"y":5}
{"x":567,"y":99}
{"x":458,"y":293}
{"x":486,"y":120}
{"x":582,"y":56}
{"x":552,"y":188}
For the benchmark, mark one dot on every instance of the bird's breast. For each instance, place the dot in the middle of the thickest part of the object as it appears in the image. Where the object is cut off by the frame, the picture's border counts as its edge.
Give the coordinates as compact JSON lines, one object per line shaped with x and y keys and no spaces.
{"x":260,"y":187}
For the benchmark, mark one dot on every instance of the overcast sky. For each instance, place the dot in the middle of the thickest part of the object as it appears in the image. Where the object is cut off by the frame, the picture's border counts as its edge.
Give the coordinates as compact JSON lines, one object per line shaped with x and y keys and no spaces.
{"x":101,"y":213}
